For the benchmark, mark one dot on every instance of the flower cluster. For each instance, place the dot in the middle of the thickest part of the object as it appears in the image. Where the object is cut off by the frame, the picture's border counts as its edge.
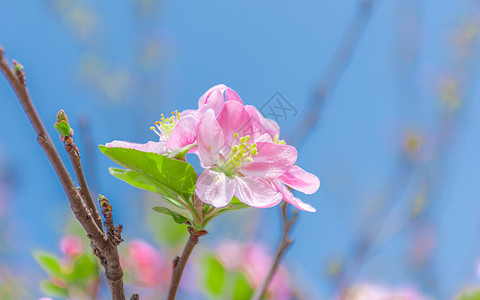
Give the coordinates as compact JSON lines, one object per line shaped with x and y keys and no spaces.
{"x":239,"y":149}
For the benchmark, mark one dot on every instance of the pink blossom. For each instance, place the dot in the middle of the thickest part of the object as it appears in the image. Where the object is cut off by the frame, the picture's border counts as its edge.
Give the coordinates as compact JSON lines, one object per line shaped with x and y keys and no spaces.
{"x":378,"y":292}
{"x":300,"y":180}
{"x":215,"y":98}
{"x":234,"y":164}
{"x":255,"y":261}
{"x":177,"y":134}
{"x":71,"y":246}
{"x":267,"y":130}
{"x":148,"y":266}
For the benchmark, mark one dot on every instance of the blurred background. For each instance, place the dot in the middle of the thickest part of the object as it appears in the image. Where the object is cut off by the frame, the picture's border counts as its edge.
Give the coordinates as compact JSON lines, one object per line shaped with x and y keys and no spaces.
{"x":382,"y":109}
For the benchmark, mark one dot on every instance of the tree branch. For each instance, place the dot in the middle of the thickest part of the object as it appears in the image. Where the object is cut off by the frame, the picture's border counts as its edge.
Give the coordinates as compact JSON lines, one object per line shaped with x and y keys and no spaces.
{"x":284,"y":244}
{"x":180,"y":262}
{"x":101,"y":244}
{"x":74,"y":155}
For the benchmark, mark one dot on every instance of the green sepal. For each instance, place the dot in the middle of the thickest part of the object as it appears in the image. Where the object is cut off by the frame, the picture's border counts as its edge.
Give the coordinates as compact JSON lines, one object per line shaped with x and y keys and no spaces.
{"x":178,"y":218}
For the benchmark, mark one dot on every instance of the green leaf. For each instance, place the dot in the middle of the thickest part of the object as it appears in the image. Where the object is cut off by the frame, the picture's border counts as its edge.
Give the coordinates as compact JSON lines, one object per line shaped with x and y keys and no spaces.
{"x":49,"y":288}
{"x":140,"y":181}
{"x":172,"y":238}
{"x":470,"y":295}
{"x":85,"y":267}
{"x":63,"y":128}
{"x":242,"y":290}
{"x":178,"y":218}
{"x":214,"y":276}
{"x":49,"y":262}
{"x":168,"y":175}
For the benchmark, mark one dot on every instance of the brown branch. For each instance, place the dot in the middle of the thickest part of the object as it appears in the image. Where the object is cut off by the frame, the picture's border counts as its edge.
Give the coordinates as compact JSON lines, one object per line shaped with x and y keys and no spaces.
{"x":284,"y":244}
{"x":180,"y":262}
{"x":74,"y":155}
{"x":99,"y":241}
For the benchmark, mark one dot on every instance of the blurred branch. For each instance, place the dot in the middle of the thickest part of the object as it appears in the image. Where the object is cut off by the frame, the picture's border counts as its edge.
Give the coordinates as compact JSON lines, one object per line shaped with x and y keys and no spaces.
{"x":335,"y":68}
{"x":102,"y":245}
{"x":284,"y":244}
{"x":88,"y":142}
{"x":179,"y":263}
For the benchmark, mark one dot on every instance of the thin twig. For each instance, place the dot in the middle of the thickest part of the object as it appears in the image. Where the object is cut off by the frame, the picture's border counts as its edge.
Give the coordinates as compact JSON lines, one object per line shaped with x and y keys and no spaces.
{"x":180,"y":262}
{"x":105,"y":250}
{"x":284,"y":244}
{"x":333,"y":73}
{"x":74,"y":155}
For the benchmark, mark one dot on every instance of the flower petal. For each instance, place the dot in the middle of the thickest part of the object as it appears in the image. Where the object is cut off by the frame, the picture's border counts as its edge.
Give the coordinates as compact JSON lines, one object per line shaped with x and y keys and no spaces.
{"x":231,"y":95}
{"x":272,"y":160}
{"x":256,"y":192}
{"x":262,"y":125}
{"x":184,"y":133}
{"x":210,"y":139}
{"x":214,"y":102}
{"x":215,"y":188}
{"x":288,"y":197}
{"x":301,"y":180}
{"x":205,"y":97}
{"x":155,"y":147}
{"x":234,"y":119}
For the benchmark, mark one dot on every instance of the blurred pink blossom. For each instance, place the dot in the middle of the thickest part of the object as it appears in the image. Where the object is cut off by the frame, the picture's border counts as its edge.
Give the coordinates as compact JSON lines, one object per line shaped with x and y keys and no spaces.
{"x":255,"y":261}
{"x":148,"y":266}
{"x":71,"y":246}
{"x":370,"y":291}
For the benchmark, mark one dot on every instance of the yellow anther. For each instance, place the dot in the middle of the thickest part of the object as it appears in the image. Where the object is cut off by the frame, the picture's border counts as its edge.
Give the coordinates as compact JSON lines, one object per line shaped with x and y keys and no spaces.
{"x":249,"y":159}
{"x":235,"y":135}
{"x":247,"y":138}
{"x":254,"y":152}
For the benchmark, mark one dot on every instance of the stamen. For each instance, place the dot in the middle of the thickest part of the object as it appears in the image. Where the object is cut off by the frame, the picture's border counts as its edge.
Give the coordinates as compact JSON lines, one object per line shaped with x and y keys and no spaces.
{"x":239,"y":155}
{"x":165,"y":126}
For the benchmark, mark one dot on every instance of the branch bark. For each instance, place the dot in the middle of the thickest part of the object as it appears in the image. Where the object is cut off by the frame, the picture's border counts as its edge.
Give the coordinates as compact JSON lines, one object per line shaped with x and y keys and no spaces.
{"x":86,"y":214}
{"x":74,"y":155}
{"x":284,"y":244}
{"x":180,"y":262}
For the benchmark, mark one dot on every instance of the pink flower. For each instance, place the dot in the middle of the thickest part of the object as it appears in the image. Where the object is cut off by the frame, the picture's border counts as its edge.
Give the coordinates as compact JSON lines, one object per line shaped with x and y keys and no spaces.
{"x":255,"y":261}
{"x":300,"y":180}
{"x":234,"y":164}
{"x":215,"y":98}
{"x":264,"y":129}
{"x":177,"y":134}
{"x":377,"y":292}
{"x":268,"y":131}
{"x":71,"y":246}
{"x":148,"y":266}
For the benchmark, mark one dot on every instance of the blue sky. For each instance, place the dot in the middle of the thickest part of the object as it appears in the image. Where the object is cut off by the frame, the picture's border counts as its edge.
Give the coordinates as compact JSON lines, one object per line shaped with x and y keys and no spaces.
{"x":258,"y":48}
